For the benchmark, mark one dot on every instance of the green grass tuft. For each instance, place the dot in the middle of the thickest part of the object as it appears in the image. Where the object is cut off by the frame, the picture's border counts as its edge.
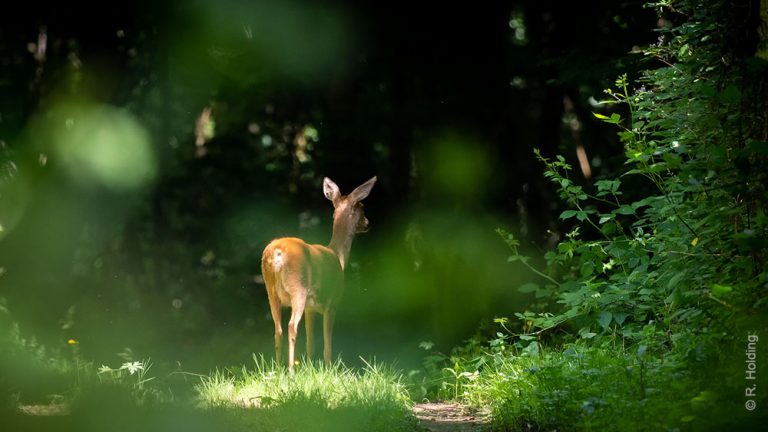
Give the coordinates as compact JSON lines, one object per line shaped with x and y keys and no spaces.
{"x":314,"y":397}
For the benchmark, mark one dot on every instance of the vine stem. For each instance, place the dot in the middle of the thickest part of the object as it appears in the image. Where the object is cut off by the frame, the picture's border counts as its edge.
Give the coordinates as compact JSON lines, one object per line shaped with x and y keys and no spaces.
{"x":512,"y":244}
{"x":545,"y":276}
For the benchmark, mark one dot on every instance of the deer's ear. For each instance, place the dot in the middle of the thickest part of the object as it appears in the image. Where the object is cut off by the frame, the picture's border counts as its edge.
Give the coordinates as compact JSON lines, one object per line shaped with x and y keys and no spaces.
{"x":362,"y":191}
{"x":331,"y":191}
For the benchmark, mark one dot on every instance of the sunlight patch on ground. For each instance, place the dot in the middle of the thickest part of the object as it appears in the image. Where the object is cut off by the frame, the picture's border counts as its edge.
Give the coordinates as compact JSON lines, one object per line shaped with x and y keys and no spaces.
{"x":450,"y":417}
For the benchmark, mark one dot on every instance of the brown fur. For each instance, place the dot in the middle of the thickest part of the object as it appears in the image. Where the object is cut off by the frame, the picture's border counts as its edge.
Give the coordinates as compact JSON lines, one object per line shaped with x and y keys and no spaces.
{"x":309,"y":277}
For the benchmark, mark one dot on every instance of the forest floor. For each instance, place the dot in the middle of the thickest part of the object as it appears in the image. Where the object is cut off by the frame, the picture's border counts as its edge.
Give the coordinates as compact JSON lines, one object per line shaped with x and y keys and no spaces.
{"x":432,"y":416}
{"x":450,"y":417}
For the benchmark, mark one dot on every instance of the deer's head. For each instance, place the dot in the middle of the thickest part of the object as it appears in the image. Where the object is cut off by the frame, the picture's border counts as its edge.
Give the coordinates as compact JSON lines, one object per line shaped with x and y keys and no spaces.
{"x":348,"y":214}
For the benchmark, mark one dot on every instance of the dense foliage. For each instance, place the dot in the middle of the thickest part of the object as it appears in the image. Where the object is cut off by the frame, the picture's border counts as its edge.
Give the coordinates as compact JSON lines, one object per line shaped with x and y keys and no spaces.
{"x":644,"y":311}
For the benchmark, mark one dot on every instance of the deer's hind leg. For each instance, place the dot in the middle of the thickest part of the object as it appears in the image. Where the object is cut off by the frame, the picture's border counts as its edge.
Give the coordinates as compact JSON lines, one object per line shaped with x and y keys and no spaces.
{"x":309,"y":324}
{"x":328,"y":317}
{"x":294,"y":283}
{"x":271,"y":281}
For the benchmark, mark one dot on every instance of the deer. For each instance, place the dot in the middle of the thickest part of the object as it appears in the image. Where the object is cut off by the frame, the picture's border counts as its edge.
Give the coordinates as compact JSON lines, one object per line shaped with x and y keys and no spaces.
{"x":309,"y":278}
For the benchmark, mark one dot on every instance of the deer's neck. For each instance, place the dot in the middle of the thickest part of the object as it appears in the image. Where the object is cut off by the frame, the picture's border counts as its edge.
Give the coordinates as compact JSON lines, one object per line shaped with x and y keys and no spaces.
{"x":341,"y":241}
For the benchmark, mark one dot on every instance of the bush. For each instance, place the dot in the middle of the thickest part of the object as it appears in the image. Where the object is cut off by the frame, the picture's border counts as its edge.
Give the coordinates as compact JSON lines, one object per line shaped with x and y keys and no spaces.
{"x":648,"y":300}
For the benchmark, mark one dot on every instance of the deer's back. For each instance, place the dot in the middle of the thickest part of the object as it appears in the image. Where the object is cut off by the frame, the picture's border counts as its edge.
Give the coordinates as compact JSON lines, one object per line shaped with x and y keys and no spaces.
{"x":291,"y":267}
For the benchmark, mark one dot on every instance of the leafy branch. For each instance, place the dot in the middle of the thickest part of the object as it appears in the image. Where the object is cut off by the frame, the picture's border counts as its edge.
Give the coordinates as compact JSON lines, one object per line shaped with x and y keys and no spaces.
{"x":514,"y":244}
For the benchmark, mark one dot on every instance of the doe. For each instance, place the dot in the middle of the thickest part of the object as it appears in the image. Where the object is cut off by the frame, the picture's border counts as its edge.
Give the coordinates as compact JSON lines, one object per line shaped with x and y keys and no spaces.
{"x":309,"y":277}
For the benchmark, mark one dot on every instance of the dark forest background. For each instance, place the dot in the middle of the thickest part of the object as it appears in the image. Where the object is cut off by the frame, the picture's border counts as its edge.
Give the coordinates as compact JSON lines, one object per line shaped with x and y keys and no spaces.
{"x":222,"y":118}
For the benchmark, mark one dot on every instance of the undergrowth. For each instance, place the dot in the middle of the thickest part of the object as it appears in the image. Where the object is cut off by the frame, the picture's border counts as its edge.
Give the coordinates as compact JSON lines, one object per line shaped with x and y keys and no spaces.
{"x":581,"y":386}
{"x":645,"y":315}
{"x":49,"y":389}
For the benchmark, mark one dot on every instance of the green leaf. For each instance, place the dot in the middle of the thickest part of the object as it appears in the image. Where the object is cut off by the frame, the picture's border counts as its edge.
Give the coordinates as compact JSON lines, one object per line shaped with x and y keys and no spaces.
{"x":604,"y":319}
{"x":600,"y":116}
{"x":641,"y":350}
{"x":675,"y":280}
{"x":528,"y":288}
{"x":426,"y":345}
{"x":609,"y":228}
{"x":532,"y":349}
{"x":619,"y":317}
{"x":520,"y":258}
{"x":582,"y":215}
{"x":704,"y":398}
{"x":605,"y":218}
{"x":587,"y":269}
{"x":720,"y":290}
{"x":608,"y":185}
{"x":643,"y":202}
{"x":568,"y":214}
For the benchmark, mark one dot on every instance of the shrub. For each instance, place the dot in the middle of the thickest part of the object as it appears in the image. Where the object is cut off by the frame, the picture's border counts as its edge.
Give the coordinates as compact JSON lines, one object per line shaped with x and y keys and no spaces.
{"x":648,"y":300}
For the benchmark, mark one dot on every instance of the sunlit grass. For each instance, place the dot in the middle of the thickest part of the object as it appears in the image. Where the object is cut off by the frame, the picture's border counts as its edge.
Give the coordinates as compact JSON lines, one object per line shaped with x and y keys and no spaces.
{"x":316,"y":397}
{"x":267,"y":384}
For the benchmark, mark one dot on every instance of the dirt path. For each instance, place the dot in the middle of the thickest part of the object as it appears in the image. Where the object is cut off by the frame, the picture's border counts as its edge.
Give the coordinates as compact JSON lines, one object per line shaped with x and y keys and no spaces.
{"x":447,"y":417}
